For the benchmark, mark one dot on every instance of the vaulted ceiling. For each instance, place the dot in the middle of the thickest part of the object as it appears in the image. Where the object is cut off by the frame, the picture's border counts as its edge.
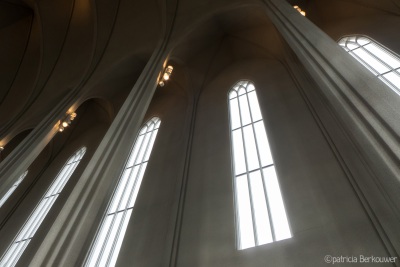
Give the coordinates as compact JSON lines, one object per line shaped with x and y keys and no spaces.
{"x":49,"y":47}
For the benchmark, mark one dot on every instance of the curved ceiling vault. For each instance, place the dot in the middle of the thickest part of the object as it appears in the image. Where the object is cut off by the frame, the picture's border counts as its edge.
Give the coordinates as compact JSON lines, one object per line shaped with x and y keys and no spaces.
{"x":222,"y":37}
{"x":101,"y":47}
{"x":74,"y":44}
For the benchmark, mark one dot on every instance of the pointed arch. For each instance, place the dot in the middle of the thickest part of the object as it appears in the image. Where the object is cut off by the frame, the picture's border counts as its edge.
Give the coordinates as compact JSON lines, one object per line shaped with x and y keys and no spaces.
{"x":107,"y":243}
{"x":260,"y":212}
{"x":378,"y":59}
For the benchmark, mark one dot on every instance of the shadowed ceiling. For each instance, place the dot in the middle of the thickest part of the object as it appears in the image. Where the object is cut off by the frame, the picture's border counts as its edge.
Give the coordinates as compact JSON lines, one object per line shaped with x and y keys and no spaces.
{"x":101,"y":47}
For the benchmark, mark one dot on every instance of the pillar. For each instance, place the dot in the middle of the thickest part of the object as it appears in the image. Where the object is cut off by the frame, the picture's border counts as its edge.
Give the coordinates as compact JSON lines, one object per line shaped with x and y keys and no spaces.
{"x":19,"y":160}
{"x":363,"y":129}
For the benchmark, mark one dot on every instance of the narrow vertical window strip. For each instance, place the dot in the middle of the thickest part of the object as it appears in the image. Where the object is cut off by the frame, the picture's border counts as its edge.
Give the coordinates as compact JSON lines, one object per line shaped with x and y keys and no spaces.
{"x":18,"y":246}
{"x":268,"y":208}
{"x":268,"y":215}
{"x":12,"y":189}
{"x":257,"y":216}
{"x":108,"y":241}
{"x":247,"y":171}
{"x":376,"y":58}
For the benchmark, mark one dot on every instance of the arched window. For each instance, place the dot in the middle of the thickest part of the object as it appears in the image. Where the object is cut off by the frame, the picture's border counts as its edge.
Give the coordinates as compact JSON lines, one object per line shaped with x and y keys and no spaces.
{"x":106,"y":246}
{"x":11,"y":190}
{"x":375,"y":57}
{"x":14,"y":252}
{"x":260,"y":213}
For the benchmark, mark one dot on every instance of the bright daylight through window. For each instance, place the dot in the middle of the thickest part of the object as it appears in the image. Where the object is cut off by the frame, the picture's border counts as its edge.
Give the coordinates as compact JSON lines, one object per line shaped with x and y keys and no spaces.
{"x":105,"y":249}
{"x":11,"y":190}
{"x":375,"y":57}
{"x":260,"y":212}
{"x":29,"y":229}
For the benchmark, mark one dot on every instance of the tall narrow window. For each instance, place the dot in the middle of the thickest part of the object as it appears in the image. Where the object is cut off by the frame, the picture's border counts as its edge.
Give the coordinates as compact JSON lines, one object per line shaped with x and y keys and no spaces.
{"x":11,"y":190}
{"x":260,"y":213}
{"x":375,"y":57}
{"x":105,"y":249}
{"x":30,"y":227}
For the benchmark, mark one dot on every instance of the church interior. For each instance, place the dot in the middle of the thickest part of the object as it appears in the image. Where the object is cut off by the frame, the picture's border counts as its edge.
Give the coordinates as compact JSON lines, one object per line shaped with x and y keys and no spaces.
{"x":101,"y":67}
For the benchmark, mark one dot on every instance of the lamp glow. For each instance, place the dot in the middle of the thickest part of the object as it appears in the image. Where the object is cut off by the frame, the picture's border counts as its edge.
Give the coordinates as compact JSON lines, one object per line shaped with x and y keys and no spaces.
{"x":66,"y":121}
{"x":300,"y":11}
{"x":166,"y":75}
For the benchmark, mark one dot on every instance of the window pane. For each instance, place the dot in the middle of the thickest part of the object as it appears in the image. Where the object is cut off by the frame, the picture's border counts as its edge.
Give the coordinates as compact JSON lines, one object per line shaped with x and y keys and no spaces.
{"x":30,"y":227}
{"x":101,"y":238}
{"x":352,"y":45}
{"x":388,"y":83}
{"x":370,"y":60}
{"x":244,"y":110}
{"x":250,"y":87}
{"x":120,"y":238}
{"x":241,"y":91}
{"x":264,"y":234}
{"x":235,"y":116}
{"x":383,"y":55}
{"x":362,"y":41}
{"x":134,"y":153}
{"x":11,"y":190}
{"x":262,"y":143}
{"x":121,"y":188}
{"x":251,"y":152}
{"x":394,"y":78}
{"x":137,"y":186}
{"x":108,"y":241}
{"x":238,"y":152}
{"x":150,"y":146}
{"x":279,"y":220}
{"x":255,"y":108}
{"x":232,"y":94}
{"x":143,"y":147}
{"x":110,"y":238}
{"x":244,"y":213}
{"x":123,"y":201}
{"x":377,"y":59}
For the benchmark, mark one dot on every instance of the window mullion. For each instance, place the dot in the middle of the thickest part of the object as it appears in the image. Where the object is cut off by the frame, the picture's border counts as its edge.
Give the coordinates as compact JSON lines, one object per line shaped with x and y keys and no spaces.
{"x":378,"y":59}
{"x":63,"y":180}
{"x":371,"y":69}
{"x":151,"y":133}
{"x":251,"y":209}
{"x":247,"y":174}
{"x":261,"y":172}
{"x":114,"y":216}
{"x":105,"y":246}
{"x":35,"y":219}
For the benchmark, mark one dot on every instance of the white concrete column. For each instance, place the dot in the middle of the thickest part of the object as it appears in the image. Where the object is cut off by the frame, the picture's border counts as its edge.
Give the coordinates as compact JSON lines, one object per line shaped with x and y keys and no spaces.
{"x":365,"y":109}
{"x":66,"y":241}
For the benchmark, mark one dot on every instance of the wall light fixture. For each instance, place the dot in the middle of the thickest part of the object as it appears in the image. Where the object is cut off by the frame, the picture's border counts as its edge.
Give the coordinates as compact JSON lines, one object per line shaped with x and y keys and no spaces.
{"x":66,"y":121}
{"x":166,"y":75}
{"x":299,"y":9}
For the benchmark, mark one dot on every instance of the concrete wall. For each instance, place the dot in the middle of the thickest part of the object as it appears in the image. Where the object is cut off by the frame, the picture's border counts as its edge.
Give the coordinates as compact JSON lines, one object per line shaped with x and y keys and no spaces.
{"x":185,"y":204}
{"x":87,"y":130}
{"x":325,"y":215}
